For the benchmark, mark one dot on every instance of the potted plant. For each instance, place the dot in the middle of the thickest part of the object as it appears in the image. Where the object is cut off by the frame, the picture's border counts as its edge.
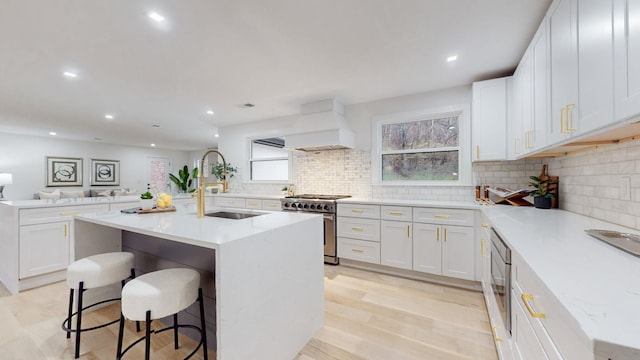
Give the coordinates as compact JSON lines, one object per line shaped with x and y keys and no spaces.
{"x":146,"y":200}
{"x":216,"y":170}
{"x":541,"y":195}
{"x":182,"y":181}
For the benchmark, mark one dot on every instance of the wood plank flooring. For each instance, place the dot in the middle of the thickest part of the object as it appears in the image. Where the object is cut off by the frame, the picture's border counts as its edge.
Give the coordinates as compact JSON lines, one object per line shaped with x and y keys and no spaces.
{"x":367,"y":316}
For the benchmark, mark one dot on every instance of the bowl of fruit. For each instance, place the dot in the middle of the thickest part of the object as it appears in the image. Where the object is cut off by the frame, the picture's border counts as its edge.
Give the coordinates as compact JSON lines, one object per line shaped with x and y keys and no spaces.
{"x":164,"y":201}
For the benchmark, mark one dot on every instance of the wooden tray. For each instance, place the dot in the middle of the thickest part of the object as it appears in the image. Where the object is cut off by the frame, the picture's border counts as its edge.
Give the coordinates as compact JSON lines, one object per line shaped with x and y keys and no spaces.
{"x":156,"y":210}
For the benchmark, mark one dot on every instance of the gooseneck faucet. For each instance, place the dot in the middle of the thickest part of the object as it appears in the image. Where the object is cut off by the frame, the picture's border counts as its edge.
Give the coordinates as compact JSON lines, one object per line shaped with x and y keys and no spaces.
{"x":202,"y":184}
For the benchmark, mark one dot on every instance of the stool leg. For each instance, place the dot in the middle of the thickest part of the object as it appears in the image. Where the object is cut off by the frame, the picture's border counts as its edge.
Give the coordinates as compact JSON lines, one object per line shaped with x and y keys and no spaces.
{"x":120,"y":336}
{"x":203,"y":325}
{"x":70,"y":312}
{"x":79,"y":318}
{"x":147,"y":335}
{"x":175,"y":331}
{"x":133,"y":276}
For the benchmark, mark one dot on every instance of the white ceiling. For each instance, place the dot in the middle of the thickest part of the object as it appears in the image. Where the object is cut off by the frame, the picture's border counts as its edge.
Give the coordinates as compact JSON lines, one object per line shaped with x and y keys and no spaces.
{"x":219,"y":54}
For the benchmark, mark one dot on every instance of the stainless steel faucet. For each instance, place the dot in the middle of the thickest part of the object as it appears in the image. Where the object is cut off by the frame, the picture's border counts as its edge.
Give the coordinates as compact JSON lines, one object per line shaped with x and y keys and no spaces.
{"x":202,"y":184}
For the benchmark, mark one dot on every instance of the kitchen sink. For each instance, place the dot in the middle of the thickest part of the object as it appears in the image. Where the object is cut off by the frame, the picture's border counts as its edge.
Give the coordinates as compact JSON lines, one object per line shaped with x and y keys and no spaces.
{"x":232,"y":215}
{"x":624,"y":241}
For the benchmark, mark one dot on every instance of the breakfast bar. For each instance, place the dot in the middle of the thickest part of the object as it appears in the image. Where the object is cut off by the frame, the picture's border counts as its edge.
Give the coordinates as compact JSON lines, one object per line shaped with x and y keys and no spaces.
{"x":267,"y":275}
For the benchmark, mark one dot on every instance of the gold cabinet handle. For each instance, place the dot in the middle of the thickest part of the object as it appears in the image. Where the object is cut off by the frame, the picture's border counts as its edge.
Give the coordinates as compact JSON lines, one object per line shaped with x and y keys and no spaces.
{"x":396,"y":213}
{"x":525,"y":300}
{"x":65,"y":230}
{"x":441,"y":216}
{"x":357,"y":250}
{"x":515,"y":146}
{"x":477,"y":152}
{"x":484,"y":226}
{"x":357,"y":229}
{"x":357,"y":211}
{"x":528,"y":139}
{"x":271,"y":205}
{"x":568,"y":117}
{"x":495,"y":334}
{"x":482,"y":241}
{"x":437,"y":234}
{"x":68,"y":213}
{"x":408,"y":233}
{"x":445,"y":234}
{"x":563,"y":112}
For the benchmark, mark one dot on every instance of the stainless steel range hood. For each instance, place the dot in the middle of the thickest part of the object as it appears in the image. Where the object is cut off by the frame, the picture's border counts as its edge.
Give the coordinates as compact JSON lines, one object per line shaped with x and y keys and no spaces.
{"x":321,"y":127}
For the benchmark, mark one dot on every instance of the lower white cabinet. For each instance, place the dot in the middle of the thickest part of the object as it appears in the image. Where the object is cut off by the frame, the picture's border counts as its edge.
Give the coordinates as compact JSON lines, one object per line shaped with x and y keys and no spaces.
{"x":444,"y":250}
{"x":526,"y":343}
{"x":44,"y":248}
{"x":396,"y":244}
{"x":360,"y":250}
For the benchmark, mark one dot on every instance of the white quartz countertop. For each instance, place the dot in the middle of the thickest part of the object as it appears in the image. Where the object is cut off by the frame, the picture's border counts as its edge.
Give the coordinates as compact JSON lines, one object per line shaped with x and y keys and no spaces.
{"x":249,"y":196}
{"x":597,"y":283}
{"x":425,"y":203}
{"x":79,"y":201}
{"x":184,"y":226}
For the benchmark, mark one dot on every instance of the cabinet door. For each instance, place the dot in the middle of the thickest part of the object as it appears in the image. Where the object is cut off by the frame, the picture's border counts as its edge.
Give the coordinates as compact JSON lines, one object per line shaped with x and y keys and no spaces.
{"x":595,"y":61}
{"x":515,"y":144}
{"x":526,"y":75}
{"x":458,"y":255}
{"x":396,"y":244}
{"x":427,"y":253}
{"x":627,"y":58}
{"x":540,"y":67}
{"x":44,"y":248}
{"x":564,"y":68}
{"x":524,"y":338}
{"x":489,"y":120}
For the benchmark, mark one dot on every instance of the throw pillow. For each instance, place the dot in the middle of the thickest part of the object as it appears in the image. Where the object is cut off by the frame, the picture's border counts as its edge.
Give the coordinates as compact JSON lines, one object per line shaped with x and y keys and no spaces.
{"x":50,"y":195}
{"x":71,"y":194}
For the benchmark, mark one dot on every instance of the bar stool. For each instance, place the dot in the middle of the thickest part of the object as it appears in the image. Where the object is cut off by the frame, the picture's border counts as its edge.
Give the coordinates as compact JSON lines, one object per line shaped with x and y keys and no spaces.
{"x":159,"y":294}
{"x":94,"y":272}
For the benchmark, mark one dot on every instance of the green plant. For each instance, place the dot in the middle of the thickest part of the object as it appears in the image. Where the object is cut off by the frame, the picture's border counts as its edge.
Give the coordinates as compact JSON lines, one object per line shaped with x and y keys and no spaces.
{"x":541,"y":187}
{"x":182,"y":181}
{"x":216,"y":170}
{"x":146,"y":195}
{"x":284,"y":189}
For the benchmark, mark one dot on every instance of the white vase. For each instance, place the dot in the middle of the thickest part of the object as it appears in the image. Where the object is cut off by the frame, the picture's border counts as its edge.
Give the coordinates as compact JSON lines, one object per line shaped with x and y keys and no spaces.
{"x":146,"y":204}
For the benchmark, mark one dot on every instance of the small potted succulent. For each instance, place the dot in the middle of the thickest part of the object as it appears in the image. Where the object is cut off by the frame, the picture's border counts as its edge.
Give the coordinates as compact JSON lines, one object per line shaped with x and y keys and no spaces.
{"x":146,"y":200}
{"x":541,"y":195}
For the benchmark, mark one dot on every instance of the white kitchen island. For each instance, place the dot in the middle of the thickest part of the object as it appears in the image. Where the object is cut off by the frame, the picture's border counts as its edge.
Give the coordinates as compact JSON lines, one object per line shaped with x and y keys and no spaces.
{"x":267,"y":271}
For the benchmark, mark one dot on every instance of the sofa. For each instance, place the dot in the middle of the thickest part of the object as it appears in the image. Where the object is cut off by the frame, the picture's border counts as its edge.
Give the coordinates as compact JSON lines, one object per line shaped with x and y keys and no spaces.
{"x":63,"y":193}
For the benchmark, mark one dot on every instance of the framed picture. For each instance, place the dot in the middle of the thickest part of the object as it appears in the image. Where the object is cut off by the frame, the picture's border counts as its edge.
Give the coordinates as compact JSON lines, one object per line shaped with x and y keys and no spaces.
{"x":105,"y":172}
{"x":64,"y":171}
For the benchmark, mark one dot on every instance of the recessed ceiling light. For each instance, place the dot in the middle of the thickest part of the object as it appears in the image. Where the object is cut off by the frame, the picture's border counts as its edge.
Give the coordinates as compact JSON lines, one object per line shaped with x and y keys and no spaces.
{"x":216,"y":135}
{"x":452,"y":58}
{"x":155,"y":16}
{"x":210,"y":112}
{"x":155,"y":125}
{"x":109,"y":116}
{"x":153,"y":145}
{"x":70,"y":74}
{"x":52,"y":133}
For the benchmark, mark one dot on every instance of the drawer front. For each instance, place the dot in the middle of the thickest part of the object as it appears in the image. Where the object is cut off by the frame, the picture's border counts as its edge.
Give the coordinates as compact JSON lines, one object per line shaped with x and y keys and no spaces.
{"x":526,"y":342}
{"x":396,"y":213}
{"x":353,"y":249}
{"x":230,"y":202}
{"x":356,"y":228}
{"x":57,"y":213}
{"x":271,"y":205}
{"x":556,"y":323}
{"x":443,"y":216}
{"x":361,"y":211}
{"x":253,"y":204}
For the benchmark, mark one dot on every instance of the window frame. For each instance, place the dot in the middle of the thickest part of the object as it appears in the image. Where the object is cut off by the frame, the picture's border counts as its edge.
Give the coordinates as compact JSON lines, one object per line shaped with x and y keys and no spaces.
{"x":464,"y":144}
{"x":250,"y":160}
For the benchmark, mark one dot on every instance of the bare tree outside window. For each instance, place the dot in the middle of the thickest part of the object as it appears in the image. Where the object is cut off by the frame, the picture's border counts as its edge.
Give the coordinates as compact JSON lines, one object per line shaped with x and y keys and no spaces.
{"x":421,"y":150}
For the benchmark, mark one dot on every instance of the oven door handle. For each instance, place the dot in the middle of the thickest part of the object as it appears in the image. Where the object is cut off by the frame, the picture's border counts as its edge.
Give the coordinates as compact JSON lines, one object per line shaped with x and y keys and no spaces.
{"x":329,"y":216}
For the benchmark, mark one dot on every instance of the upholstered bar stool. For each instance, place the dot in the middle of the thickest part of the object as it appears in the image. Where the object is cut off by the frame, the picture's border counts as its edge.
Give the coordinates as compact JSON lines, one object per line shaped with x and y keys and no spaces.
{"x":94,"y":272}
{"x":159,"y":294}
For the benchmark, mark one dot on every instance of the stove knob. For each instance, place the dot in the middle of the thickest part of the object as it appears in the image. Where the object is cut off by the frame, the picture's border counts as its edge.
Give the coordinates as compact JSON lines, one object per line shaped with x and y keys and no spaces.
{"x":299,"y":206}
{"x":312,"y":206}
{"x":327,"y":207}
{"x":306,"y":206}
{"x":286,"y":205}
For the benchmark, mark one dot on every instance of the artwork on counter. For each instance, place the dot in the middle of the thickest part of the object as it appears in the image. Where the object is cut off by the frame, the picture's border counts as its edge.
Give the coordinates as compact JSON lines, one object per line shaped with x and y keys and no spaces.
{"x":64,"y":171}
{"x":105,"y":172}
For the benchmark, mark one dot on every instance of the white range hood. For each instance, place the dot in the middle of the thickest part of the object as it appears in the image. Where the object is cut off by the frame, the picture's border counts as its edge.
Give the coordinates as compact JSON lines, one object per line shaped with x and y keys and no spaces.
{"x":321,"y":127}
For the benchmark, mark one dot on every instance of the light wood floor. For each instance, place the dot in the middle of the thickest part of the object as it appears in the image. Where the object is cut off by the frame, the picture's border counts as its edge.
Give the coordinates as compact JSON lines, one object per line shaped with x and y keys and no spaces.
{"x":367,"y":316}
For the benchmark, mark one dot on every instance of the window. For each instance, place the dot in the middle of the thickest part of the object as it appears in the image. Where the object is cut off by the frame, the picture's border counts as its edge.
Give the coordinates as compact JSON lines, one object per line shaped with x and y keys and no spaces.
{"x":422,"y":148}
{"x":269,"y":160}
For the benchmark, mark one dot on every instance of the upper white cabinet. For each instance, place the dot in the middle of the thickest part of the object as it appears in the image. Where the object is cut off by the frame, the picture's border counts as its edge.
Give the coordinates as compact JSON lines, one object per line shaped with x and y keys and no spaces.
{"x":489,"y":120}
{"x":627,"y":58}
{"x":581,"y":66}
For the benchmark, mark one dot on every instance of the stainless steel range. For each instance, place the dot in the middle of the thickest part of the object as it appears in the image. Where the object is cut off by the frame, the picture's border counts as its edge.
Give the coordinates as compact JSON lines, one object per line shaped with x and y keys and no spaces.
{"x":320,"y":204}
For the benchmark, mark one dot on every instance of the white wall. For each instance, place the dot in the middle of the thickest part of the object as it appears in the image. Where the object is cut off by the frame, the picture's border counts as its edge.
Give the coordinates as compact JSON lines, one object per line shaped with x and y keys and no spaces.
{"x":24,"y":157}
{"x":342,"y":171}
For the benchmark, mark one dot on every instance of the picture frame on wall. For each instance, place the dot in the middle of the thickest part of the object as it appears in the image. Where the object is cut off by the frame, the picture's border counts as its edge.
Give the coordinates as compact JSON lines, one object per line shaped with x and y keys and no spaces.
{"x":105,"y":172}
{"x":63,"y":171}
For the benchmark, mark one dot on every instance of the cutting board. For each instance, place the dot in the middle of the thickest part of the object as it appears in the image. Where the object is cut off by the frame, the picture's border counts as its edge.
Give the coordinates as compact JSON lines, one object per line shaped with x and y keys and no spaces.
{"x":157,"y":210}
{"x":553,"y":188}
